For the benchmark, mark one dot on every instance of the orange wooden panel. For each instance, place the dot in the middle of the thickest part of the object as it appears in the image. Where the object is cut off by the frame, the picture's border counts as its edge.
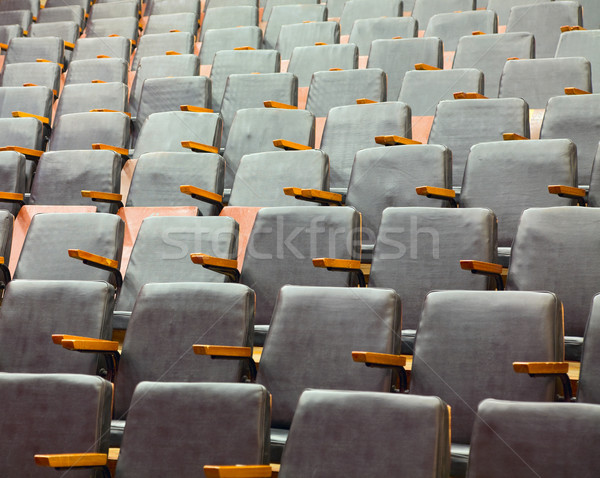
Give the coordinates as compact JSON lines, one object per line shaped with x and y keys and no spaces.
{"x":536,"y":116}
{"x":302,"y":97}
{"x":448,"y":59}
{"x":344,"y":39}
{"x":126,"y":176}
{"x":362,"y":61}
{"x":284,"y":66}
{"x":205,"y":70}
{"x":245,"y":217}
{"x":421,"y":127}
{"x":319,"y":127}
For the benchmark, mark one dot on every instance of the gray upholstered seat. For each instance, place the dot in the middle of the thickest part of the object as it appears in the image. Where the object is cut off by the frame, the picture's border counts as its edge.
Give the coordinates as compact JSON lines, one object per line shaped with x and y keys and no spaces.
{"x":161,"y":253}
{"x":36,"y":100}
{"x":288,"y":14}
{"x":251,"y":91}
{"x":12,"y":174}
{"x":335,"y":8}
{"x":8,"y":32}
{"x":428,"y":243}
{"x":126,"y":27}
{"x":28,"y":50}
{"x":489,"y":53}
{"x":161,"y":7}
{"x":68,"y":31}
{"x":42,"y":74}
{"x":306,"y":34}
{"x":359,"y":9}
{"x":393,"y":426}
{"x":425,"y":9}
{"x":254,"y":129}
{"x":349,"y":129}
{"x":502,"y":7}
{"x":31,"y":5}
{"x":269,"y":4}
{"x":84,"y":97}
{"x":61,"y":3}
{"x":450,"y":27}
{"x":592,"y":14}
{"x":582,"y":43}
{"x":396,"y":57}
{"x":160,"y":43}
{"x":365,"y":30}
{"x":116,"y":10}
{"x":90,"y":48}
{"x":64,"y":13}
{"x":229,"y":17}
{"x":532,"y":439}
{"x":230,"y":3}
{"x":79,"y":420}
{"x":227,"y":39}
{"x":458,"y":328}
{"x":23,"y":18}
{"x":6,"y":233}
{"x":164,"y":23}
{"x":312,"y":335}
{"x":459,"y":124}
{"x":544,"y":21}
{"x":588,"y":390}
{"x":104,"y":69}
{"x":593,"y":198}
{"x":306,"y":60}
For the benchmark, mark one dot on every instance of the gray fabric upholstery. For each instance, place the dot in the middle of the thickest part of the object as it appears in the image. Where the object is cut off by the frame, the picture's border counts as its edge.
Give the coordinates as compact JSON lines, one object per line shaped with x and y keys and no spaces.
{"x":66,"y":13}
{"x":251,"y":91}
{"x":116,"y":10}
{"x":164,"y":23}
{"x":233,"y":419}
{"x":82,"y":3}
{"x":35,"y":100}
{"x":81,"y":130}
{"x":283,"y":242}
{"x":62,"y":175}
{"x":450,"y":27}
{"x":502,"y":7}
{"x":103,"y":69}
{"x":532,"y":440}
{"x":366,"y":433}
{"x":387,"y":177}
{"x":23,"y":132}
{"x":306,"y":60}
{"x":168,"y":319}
{"x":588,"y":390}
{"x":168,"y":94}
{"x":365,"y":30}
{"x":6,"y":231}
{"x":68,"y":31}
{"x":396,"y":57}
{"x":463,"y":357}
{"x":47,"y":403}
{"x":306,"y":34}
{"x":288,"y":14}
{"x":160,"y":43}
{"x":165,"y":131}
{"x":592,"y":13}
{"x":162,"y":249}
{"x":261,"y":177}
{"x":594,"y":190}
{"x":227,"y":3}
{"x":544,"y":21}
{"x":227,"y":62}
{"x":511,"y":176}
{"x":489,"y":53}
{"x":160,"y":67}
{"x":83,"y":97}
{"x":335,"y":8}
{"x":359,"y":9}
{"x":8,"y":32}
{"x":42,"y":74}
{"x":576,"y":118}
{"x":12,"y":174}
{"x":90,"y":48}
{"x":587,"y":45}
{"x":546,"y":255}
{"x":536,"y":81}
{"x":269,"y":4}
{"x":246,"y":138}
{"x":313,"y":332}
{"x":44,"y":254}
{"x":351,"y":128}
{"x":32,"y":5}
{"x":28,"y":50}
{"x":228,"y":39}
{"x":125,"y":27}
{"x":158,"y":176}
{"x":329,"y":89}
{"x":161,"y":7}
{"x":459,"y":124}
{"x":33,"y":310}
{"x":229,"y":17}
{"x":425,"y":9}
{"x":22,"y":18}
{"x":423,"y":90}
{"x":429,"y":243}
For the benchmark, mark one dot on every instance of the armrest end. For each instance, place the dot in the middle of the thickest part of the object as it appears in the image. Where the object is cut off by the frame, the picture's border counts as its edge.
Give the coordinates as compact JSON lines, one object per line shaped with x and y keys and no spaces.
{"x":378,"y":359}
{"x":513,"y":137}
{"x":71,"y":460}
{"x":199,"y":147}
{"x":239,"y":471}
{"x":277,"y":104}
{"x":289,"y":145}
{"x":392,"y":140}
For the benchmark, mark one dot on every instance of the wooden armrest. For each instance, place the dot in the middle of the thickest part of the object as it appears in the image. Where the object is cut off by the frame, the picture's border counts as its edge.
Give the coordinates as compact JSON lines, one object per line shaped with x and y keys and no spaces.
{"x":277,"y":104}
{"x":513,"y":137}
{"x":477,"y":32}
{"x":199,"y":147}
{"x":289,"y":145}
{"x":567,"y":191}
{"x":69,"y":45}
{"x":244,"y":48}
{"x":425,"y":66}
{"x":172,"y":52}
{"x":11,"y":197}
{"x":437,"y":193}
{"x":43,"y":60}
{"x":481,"y":266}
{"x":103,"y":197}
{"x":239,"y":471}
{"x":323,"y":197}
{"x":392,"y":140}
{"x":336,"y":69}
{"x":90,"y":345}
{"x":3,"y":46}
{"x":98,"y":81}
{"x":365,"y":101}
{"x":58,"y":338}
{"x":534,"y":368}
{"x":72,"y":460}
{"x":342,"y":264}
{"x":222,"y":351}
{"x":195,"y":109}
{"x":570,"y":28}
{"x":102,"y":56}
{"x":226,"y":267}
{"x":318,"y":43}
{"x":291,"y":191}
{"x":107,"y":147}
{"x":202,"y":194}
{"x":96,"y":259}
{"x":105,"y":110}
{"x":379,"y":359}
{"x":22,"y":114}
{"x":461,"y":95}
{"x":29,"y":153}
{"x":571,"y":90}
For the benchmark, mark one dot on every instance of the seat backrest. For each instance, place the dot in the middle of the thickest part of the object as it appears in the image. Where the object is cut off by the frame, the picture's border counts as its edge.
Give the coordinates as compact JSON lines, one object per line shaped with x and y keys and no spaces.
{"x":126,"y":27}
{"x":67,"y":30}
{"x":588,"y":390}
{"x":463,"y":326}
{"x":306,"y":348}
{"x":229,"y":17}
{"x":160,"y":43}
{"x":104,"y":69}
{"x":415,"y":428}
{"x":6,"y":231}
{"x":235,"y":418}
{"x":33,"y":310}
{"x":162,"y":7}
{"x":306,"y":34}
{"x":592,"y":14}
{"x":8,"y":32}
{"x":585,"y":43}
{"x":42,"y":74}
{"x":349,"y":129}
{"x":425,"y":9}
{"x":74,"y":399}
{"x":450,"y":27}
{"x":83,"y":97}
{"x":502,"y":7}
{"x":489,"y":119}
{"x":359,"y":9}
{"x":81,"y":130}
{"x":365,"y":30}
{"x":283,"y":242}
{"x":211,"y":314}
{"x":594,"y":190}
{"x":227,"y":39}
{"x":544,"y":21}
{"x":162,"y":249}
{"x":489,"y":53}
{"x":28,"y":50}
{"x":12,"y":173}
{"x":261,"y":177}
{"x":530,"y":439}
{"x":164,"y":23}
{"x":269,"y":4}
{"x":32,"y":5}
{"x":90,"y":48}
{"x":306,"y":60}
{"x":288,"y":14}
{"x":396,"y":57}
{"x":35,"y":100}
{"x":23,"y":18}
{"x":73,"y":13}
